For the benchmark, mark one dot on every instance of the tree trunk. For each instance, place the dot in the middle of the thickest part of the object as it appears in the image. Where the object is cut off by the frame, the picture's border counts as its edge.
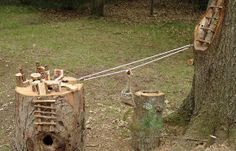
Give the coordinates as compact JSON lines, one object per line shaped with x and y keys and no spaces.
{"x":54,"y":122}
{"x":211,"y":105}
{"x":151,"y":7}
{"x":98,"y":7}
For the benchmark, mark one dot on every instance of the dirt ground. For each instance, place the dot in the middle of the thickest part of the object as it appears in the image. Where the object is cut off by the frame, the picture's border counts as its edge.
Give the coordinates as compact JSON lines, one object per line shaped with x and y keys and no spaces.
{"x":107,"y":122}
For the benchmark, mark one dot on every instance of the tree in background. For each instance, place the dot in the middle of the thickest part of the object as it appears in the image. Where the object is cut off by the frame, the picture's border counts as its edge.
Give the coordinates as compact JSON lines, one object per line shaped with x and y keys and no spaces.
{"x":200,"y":4}
{"x":98,"y":7}
{"x":25,"y":1}
{"x":55,"y":4}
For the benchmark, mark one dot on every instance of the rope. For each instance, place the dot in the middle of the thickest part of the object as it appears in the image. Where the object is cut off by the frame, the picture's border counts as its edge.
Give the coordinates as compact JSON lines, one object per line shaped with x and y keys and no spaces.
{"x":137,"y":61}
{"x":180,"y":49}
{"x":141,"y":65}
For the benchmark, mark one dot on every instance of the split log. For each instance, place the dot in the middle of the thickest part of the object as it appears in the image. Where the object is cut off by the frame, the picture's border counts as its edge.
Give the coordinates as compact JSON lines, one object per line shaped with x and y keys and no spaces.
{"x":52,"y":122}
{"x":147,"y":120}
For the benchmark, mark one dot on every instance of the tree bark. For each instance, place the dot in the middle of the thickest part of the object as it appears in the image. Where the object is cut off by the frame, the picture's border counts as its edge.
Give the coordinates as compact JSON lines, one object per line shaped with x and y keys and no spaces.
{"x":211,"y":105}
{"x":54,"y":122}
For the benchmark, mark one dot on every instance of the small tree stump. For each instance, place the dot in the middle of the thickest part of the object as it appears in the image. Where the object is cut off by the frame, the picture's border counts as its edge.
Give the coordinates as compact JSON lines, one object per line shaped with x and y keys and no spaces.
{"x":51,"y":122}
{"x":147,"y":120}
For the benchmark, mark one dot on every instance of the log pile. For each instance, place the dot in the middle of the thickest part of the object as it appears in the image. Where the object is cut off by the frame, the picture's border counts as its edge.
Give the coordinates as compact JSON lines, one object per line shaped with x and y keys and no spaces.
{"x":49,"y":112}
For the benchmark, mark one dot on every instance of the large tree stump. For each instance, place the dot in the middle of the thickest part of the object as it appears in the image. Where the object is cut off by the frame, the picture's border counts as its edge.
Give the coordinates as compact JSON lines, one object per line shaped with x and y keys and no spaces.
{"x":51,"y":122}
{"x":147,"y":120}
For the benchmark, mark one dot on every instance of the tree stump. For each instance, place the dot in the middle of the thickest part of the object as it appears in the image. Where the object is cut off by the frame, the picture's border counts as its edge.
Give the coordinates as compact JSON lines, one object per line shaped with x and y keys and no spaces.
{"x":51,"y":122}
{"x":147,"y":120}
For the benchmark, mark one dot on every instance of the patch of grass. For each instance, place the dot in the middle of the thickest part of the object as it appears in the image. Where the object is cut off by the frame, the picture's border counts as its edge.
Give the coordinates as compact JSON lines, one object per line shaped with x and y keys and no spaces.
{"x":16,"y":17}
{"x":5,"y":147}
{"x":16,"y":9}
{"x":85,"y":45}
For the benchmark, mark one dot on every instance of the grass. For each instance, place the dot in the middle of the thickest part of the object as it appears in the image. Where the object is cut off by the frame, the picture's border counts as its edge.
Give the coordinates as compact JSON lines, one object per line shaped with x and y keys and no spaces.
{"x":5,"y":147}
{"x":84,"y":45}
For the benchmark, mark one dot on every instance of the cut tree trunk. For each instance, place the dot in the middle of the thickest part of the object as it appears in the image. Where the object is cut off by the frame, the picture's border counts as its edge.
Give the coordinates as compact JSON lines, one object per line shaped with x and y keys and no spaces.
{"x":54,"y":122}
{"x":211,"y":105}
{"x":147,"y":120}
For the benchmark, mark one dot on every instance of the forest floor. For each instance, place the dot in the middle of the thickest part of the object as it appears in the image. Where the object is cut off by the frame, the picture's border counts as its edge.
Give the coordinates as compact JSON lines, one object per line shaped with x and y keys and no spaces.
{"x":81,"y":45}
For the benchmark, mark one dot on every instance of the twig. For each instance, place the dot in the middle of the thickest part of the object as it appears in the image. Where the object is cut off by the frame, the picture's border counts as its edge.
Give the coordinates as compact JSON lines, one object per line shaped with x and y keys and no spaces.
{"x":187,"y":139}
{"x":92,"y":145}
{"x":195,"y":140}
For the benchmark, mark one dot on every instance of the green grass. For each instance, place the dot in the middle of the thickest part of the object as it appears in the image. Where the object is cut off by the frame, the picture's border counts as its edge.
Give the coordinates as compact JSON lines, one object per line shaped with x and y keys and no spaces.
{"x":5,"y":147}
{"x":85,"y":45}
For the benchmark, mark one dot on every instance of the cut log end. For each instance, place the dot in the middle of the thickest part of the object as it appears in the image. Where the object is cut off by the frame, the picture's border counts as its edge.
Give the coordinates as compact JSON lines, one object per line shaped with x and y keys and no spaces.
{"x":149,"y":93}
{"x":27,"y":91}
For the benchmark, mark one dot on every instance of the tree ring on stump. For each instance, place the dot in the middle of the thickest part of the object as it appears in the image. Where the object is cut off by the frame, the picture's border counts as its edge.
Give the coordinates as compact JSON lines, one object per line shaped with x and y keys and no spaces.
{"x":149,"y":93}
